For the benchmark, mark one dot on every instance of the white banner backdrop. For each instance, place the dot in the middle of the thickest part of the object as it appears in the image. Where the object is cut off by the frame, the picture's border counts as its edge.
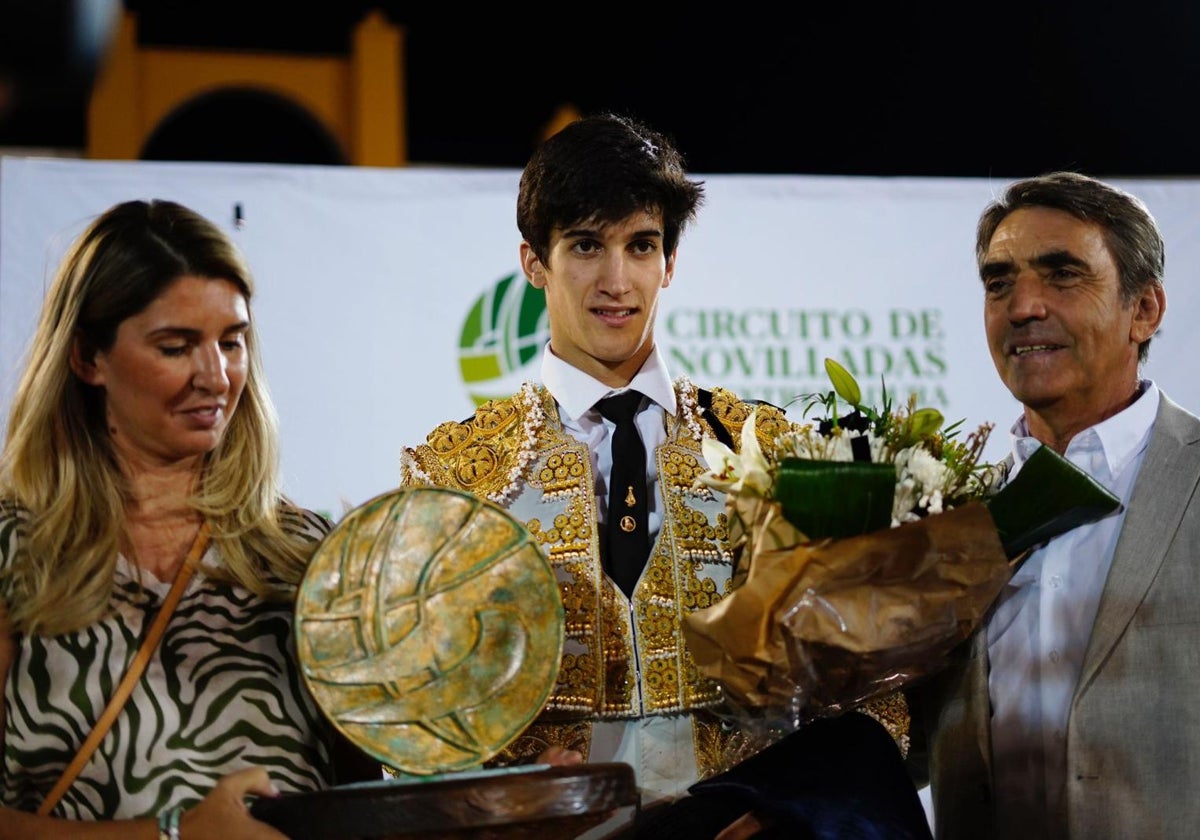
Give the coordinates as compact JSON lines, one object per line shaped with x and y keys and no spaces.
{"x":389,"y":298}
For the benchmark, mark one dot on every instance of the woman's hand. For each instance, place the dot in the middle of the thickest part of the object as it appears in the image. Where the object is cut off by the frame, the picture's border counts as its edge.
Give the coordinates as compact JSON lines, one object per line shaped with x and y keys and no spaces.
{"x":224,"y":814}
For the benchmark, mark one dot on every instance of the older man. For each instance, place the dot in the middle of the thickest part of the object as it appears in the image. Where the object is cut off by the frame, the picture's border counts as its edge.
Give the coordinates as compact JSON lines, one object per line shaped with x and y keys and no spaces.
{"x":1075,"y":713}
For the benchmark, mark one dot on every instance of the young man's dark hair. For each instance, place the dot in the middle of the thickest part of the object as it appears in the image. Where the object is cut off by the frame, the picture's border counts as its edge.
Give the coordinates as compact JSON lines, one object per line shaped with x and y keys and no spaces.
{"x":602,"y":169}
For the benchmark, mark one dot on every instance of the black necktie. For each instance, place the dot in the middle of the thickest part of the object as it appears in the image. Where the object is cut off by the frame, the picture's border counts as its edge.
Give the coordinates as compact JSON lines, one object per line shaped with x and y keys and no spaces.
{"x":628,"y":508}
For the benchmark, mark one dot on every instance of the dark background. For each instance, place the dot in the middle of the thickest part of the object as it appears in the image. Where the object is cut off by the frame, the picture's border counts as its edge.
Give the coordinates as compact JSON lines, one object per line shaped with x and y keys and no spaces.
{"x":971,"y":89}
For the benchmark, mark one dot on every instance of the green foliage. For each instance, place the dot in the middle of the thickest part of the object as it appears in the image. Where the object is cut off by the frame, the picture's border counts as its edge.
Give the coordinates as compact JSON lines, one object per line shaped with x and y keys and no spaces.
{"x":844,"y":383}
{"x":900,"y":429}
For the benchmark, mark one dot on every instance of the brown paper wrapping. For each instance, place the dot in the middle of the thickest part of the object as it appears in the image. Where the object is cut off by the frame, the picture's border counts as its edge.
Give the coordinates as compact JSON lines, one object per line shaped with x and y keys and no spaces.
{"x":816,"y":628}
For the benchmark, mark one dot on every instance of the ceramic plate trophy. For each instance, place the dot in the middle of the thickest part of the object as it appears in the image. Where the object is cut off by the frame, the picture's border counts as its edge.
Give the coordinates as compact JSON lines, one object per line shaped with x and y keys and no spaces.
{"x":429,"y":630}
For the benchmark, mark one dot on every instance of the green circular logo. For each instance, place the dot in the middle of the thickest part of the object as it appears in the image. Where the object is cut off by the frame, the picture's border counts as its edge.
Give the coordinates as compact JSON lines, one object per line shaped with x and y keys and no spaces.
{"x":501,"y":339}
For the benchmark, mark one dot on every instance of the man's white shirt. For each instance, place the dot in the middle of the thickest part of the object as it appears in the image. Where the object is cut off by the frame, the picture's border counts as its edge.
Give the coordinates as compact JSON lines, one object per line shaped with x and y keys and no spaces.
{"x":1039,"y":631}
{"x":577,"y":394}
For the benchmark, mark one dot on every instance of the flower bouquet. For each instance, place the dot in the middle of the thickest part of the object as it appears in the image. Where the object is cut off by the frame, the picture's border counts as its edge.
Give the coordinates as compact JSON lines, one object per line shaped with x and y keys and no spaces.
{"x":866,"y":546}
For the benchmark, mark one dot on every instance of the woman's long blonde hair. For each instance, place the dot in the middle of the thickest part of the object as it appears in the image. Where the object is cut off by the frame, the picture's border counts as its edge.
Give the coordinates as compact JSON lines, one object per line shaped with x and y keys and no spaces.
{"x":58,"y":463}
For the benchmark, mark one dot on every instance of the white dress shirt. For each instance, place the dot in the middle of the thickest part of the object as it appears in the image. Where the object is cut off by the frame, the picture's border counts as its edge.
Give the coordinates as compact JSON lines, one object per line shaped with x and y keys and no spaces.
{"x":1039,"y":632}
{"x":660,"y":747}
{"x":577,"y":394}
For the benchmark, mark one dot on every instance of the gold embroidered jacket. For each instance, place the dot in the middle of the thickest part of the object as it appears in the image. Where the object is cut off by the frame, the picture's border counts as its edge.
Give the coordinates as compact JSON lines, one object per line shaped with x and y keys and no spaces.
{"x":622,"y":659}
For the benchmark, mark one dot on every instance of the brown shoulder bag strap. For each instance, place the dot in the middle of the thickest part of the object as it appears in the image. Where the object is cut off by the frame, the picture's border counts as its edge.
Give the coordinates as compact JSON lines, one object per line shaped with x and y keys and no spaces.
{"x":140,"y":659}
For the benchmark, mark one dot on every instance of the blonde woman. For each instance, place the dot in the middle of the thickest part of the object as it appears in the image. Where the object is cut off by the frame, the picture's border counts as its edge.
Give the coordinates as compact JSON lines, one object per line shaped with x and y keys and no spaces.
{"x":142,"y":431}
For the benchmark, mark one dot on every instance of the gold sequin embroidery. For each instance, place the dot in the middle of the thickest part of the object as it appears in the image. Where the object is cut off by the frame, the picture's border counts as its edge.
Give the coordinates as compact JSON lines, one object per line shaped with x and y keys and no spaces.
{"x":515,"y":452}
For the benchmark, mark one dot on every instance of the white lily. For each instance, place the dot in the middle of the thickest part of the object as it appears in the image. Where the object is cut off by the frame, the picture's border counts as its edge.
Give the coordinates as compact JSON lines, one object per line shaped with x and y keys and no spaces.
{"x":732,"y":472}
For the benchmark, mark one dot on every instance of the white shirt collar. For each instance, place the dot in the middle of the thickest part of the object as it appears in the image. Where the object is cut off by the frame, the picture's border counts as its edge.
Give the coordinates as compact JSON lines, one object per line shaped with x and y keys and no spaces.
{"x":1119,"y":438}
{"x":576,"y":392}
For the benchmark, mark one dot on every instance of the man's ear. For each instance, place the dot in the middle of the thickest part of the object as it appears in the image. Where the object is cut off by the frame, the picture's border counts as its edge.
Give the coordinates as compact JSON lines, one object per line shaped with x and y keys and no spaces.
{"x":83,"y":362}
{"x":1148,"y":311}
{"x":535,"y":272}
{"x":669,"y":274}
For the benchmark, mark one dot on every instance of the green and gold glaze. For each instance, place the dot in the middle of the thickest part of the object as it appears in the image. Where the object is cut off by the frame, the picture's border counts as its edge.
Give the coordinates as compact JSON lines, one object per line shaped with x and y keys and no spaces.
{"x":429,"y":629}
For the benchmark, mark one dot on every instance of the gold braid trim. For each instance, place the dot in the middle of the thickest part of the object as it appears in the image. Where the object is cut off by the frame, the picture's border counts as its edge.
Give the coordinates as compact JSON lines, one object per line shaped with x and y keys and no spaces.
{"x":769,"y":424}
{"x":539,"y":735}
{"x":892,"y":712}
{"x":484,"y":455}
{"x":718,"y":745}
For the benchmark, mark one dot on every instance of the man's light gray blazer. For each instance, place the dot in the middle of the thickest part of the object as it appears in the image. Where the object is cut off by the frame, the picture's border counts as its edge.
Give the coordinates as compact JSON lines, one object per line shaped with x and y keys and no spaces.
{"x":1133,"y":736}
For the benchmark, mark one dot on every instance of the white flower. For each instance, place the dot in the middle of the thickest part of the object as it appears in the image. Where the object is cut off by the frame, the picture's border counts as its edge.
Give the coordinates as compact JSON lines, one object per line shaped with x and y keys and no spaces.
{"x":904,"y":503}
{"x":921,"y":481}
{"x":731,"y":472}
{"x":810,"y":444}
{"x":933,"y":472}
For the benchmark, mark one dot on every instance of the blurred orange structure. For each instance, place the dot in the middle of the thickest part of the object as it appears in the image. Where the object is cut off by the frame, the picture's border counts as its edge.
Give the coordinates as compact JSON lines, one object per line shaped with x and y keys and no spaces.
{"x":354,"y":105}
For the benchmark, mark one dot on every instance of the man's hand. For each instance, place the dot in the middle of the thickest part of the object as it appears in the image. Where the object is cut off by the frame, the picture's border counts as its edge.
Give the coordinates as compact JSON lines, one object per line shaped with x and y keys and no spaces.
{"x":745,"y":826}
{"x":559,"y":757}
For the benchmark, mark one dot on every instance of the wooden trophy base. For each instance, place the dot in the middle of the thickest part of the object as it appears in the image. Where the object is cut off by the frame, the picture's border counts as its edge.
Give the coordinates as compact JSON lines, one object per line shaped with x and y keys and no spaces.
{"x":538,"y":802}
